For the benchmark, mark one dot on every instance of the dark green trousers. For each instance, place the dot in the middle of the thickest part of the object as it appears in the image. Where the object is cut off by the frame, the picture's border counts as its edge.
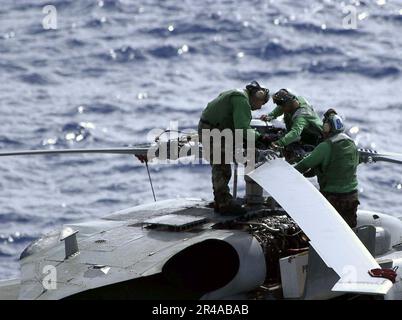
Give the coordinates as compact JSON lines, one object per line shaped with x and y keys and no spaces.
{"x":345,"y":204}
{"x":221,"y":173}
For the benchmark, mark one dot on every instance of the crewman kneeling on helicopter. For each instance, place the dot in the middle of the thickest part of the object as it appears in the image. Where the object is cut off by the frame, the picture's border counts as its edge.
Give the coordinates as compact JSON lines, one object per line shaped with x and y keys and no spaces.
{"x":230,"y":110}
{"x":335,"y":162}
{"x":303,"y":125}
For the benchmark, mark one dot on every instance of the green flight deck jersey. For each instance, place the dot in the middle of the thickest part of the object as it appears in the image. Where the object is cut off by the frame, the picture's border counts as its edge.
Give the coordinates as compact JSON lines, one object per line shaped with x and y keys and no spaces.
{"x":230,"y":110}
{"x":303,"y":123}
{"x":335,"y":163}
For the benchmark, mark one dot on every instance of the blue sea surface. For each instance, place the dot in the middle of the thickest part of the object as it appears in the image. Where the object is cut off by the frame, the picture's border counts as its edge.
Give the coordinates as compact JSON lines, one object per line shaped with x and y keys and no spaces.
{"x":115,"y":69}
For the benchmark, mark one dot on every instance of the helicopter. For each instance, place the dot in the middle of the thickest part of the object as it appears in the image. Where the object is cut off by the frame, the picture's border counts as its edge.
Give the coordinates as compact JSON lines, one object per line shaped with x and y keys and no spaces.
{"x":289,"y":245}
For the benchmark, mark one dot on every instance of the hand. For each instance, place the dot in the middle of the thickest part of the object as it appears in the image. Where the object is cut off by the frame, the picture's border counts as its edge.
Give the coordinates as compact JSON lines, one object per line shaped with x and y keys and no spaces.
{"x":274,"y":146}
{"x":266,"y":118}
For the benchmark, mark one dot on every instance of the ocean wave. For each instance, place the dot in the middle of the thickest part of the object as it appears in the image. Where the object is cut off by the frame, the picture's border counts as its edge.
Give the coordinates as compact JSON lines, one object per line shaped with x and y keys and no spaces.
{"x":6,"y":217}
{"x":193,"y":29}
{"x":8,"y":142}
{"x":74,"y":132}
{"x":102,"y":108}
{"x":319,"y":29}
{"x":115,"y":187}
{"x":36,"y":79}
{"x":9,"y":66}
{"x":6,"y":251}
{"x":165,"y":51}
{"x":353,"y":66}
{"x":123,"y":54}
{"x":247,"y":76}
{"x":17,"y":238}
{"x":126,"y":167}
{"x":75,"y":43}
{"x":96,"y":22}
{"x":112,"y":5}
{"x":127,"y":53}
{"x":275,"y":50}
{"x":107,"y":201}
{"x":397,"y":18}
{"x":93,"y":72}
{"x":389,"y":107}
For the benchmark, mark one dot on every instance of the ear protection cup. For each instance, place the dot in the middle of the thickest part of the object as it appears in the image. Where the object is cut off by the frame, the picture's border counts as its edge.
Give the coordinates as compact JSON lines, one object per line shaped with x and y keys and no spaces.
{"x":257,"y":91}
{"x":283,"y":96}
{"x":262,"y":95}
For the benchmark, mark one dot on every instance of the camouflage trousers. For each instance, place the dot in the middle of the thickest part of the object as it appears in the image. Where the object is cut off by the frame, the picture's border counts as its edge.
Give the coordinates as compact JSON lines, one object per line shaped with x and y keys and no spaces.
{"x":345,"y":204}
{"x":221,"y":173}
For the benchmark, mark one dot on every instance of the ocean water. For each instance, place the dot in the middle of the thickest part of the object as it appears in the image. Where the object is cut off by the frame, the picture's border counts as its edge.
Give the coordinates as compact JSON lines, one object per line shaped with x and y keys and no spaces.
{"x":115,"y":69}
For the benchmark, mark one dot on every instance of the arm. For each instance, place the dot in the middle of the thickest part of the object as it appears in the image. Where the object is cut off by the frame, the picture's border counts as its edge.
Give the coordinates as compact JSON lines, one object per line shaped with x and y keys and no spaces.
{"x":277,"y":112}
{"x":242,"y":115}
{"x":292,"y":136}
{"x":314,"y":159}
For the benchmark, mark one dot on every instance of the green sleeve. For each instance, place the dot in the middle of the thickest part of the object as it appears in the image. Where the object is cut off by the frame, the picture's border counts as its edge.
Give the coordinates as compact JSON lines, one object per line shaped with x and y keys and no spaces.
{"x":277,"y":112}
{"x":297,"y":129}
{"x":319,"y":156}
{"x":242,"y":115}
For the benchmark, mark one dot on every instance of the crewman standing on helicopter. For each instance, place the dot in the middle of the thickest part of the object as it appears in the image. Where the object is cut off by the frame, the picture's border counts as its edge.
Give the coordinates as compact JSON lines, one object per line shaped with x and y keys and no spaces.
{"x":230,"y":110}
{"x":335,"y":162}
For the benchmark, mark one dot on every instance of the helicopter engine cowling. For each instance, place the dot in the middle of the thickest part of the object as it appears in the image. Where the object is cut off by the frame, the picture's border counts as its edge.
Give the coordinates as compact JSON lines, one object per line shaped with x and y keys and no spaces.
{"x":219,"y":268}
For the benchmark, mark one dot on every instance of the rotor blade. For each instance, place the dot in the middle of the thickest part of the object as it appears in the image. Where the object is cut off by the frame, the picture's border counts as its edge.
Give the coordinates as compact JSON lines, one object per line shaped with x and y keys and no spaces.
{"x":389,"y":157}
{"x":384,"y":157}
{"x":137,"y":151}
{"x":331,"y":237}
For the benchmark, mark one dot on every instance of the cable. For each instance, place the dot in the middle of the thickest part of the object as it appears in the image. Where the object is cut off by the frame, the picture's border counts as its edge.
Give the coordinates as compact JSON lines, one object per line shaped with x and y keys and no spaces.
{"x":150,"y":180}
{"x":235,"y":180}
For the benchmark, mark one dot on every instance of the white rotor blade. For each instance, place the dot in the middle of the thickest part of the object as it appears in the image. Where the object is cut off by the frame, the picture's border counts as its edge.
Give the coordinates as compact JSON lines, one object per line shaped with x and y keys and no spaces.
{"x":331,"y":237}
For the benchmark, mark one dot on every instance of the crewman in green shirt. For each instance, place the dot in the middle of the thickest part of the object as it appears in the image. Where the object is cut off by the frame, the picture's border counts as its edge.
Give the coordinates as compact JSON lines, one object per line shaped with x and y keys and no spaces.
{"x":335,"y":162}
{"x":230,"y":110}
{"x":302,"y":122}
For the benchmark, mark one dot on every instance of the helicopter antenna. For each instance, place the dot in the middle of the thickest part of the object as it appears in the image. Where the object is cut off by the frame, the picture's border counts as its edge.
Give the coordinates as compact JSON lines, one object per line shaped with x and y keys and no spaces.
{"x":150,"y":180}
